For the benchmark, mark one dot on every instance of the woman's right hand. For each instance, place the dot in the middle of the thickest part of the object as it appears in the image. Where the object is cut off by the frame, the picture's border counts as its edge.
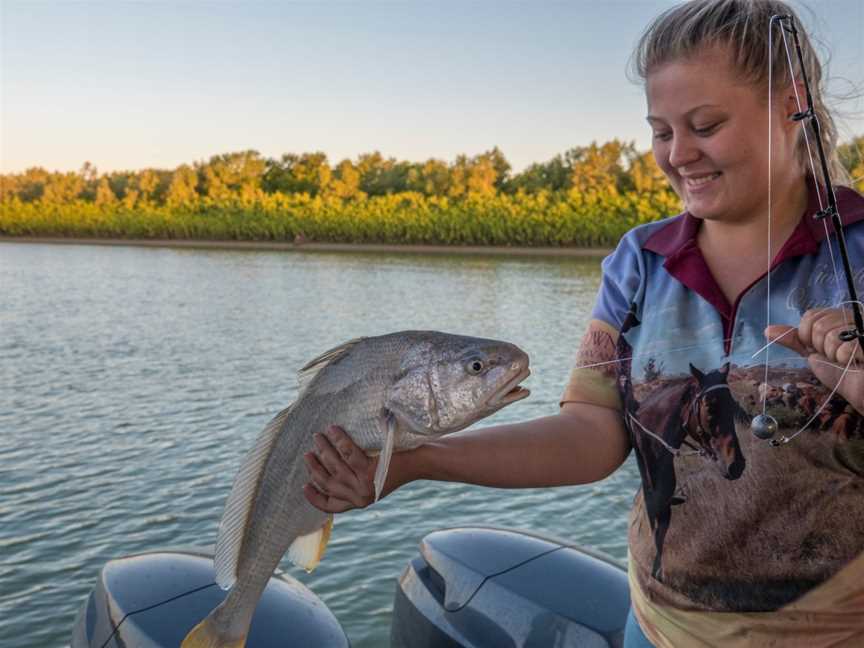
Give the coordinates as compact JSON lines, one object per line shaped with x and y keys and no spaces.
{"x":341,"y":475}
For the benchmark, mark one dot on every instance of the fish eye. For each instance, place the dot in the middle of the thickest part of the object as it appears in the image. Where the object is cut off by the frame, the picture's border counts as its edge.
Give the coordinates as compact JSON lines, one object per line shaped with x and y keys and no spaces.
{"x":475,"y":366}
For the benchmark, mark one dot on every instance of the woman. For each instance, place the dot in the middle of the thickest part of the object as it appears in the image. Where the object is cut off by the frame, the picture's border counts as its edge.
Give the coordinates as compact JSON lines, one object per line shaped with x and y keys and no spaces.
{"x":733,"y":540}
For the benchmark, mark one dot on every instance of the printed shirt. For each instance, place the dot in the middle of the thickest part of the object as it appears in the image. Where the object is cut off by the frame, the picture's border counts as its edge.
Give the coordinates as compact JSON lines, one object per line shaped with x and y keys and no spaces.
{"x":733,"y":541}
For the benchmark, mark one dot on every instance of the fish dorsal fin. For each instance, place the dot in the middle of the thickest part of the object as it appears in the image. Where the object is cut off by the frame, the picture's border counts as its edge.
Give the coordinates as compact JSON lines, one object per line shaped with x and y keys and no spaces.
{"x":238,"y":507}
{"x":307,"y":551}
{"x":312,"y":368}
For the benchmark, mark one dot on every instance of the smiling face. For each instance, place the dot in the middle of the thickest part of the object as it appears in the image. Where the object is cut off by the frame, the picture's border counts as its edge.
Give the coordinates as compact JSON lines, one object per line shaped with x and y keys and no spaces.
{"x":710,"y":133}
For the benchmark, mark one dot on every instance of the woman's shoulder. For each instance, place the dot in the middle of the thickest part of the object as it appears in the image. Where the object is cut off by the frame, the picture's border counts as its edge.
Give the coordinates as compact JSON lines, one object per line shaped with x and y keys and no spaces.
{"x":645,"y":232}
{"x":658,"y":237}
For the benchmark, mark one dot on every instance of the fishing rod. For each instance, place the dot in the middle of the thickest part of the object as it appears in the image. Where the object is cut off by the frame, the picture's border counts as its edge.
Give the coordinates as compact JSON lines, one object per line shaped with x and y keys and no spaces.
{"x":764,"y":426}
{"x":787,"y":23}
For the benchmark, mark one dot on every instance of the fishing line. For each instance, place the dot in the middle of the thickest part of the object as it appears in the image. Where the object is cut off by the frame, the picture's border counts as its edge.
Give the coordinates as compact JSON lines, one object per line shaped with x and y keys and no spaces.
{"x":650,"y":354}
{"x":765,"y":348}
{"x":770,"y":195}
{"x":806,"y":142}
{"x":765,"y":426}
{"x":676,"y":452}
{"x":150,"y":607}
{"x":792,"y":330}
{"x":786,"y":439}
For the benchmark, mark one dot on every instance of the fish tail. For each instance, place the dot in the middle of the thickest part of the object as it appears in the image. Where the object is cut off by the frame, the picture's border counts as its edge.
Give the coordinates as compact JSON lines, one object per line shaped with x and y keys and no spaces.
{"x":207,"y":635}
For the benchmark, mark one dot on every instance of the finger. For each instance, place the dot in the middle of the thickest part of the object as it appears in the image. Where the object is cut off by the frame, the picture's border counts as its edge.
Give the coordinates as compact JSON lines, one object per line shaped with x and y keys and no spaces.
{"x":318,"y":474}
{"x":353,"y":492}
{"x":815,"y":326}
{"x":324,"y":502}
{"x":827,"y":372}
{"x":847,"y":350}
{"x":329,"y":456}
{"x":786,"y":336}
{"x":832,"y":343}
{"x":350,"y":452}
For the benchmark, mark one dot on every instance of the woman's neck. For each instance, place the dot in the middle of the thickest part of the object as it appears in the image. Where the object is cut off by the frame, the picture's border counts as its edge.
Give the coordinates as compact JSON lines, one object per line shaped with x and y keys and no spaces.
{"x":750,"y":233}
{"x":737,"y":251}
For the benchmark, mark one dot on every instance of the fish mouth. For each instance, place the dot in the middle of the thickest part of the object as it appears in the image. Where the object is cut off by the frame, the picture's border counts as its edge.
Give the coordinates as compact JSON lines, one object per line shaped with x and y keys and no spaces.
{"x":512,"y":391}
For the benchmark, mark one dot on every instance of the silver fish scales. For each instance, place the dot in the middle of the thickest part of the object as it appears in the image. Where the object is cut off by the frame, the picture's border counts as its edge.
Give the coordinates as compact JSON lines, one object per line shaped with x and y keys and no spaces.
{"x":389,"y":393}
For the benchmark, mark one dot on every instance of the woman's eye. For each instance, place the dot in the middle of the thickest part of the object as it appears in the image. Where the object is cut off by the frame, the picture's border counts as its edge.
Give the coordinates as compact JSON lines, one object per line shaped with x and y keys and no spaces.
{"x":663,"y":136}
{"x":705,"y":130}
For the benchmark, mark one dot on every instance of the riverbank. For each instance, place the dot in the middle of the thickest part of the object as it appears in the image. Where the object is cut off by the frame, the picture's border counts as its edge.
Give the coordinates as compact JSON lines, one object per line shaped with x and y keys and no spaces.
{"x":318,"y":247}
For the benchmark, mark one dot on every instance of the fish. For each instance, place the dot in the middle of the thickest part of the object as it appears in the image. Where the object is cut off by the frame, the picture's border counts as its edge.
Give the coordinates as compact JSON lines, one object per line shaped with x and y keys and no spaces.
{"x":389,"y":393}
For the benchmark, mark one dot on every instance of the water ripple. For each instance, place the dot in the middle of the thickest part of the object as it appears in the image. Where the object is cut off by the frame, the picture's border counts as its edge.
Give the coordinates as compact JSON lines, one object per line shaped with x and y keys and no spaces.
{"x":125,"y":419}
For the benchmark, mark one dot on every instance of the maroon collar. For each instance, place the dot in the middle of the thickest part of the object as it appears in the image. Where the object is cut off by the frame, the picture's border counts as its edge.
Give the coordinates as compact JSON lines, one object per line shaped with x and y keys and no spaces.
{"x":679,"y":234}
{"x":676,"y":241}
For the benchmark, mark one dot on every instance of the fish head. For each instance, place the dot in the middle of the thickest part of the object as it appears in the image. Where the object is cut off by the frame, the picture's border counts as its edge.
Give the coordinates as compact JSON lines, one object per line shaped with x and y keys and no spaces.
{"x":450,"y":382}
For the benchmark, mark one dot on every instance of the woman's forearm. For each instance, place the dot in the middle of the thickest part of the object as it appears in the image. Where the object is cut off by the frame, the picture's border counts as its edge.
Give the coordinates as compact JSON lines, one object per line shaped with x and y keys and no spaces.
{"x":581,"y":444}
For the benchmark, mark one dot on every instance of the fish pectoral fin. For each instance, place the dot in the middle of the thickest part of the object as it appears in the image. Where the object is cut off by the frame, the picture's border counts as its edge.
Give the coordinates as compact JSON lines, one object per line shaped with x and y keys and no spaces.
{"x":386,"y":454}
{"x":308,"y":550}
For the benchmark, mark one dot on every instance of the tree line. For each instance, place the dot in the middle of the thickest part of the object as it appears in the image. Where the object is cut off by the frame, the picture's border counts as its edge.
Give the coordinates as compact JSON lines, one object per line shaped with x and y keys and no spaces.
{"x":612,"y":167}
{"x":587,"y":196}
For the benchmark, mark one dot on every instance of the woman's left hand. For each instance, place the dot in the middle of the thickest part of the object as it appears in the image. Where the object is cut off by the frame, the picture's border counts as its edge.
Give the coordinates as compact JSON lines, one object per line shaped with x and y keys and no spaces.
{"x":818,"y":339}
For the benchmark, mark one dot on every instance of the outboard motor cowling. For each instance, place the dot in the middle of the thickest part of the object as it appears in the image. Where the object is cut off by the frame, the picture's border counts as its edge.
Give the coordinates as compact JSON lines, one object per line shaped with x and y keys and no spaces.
{"x":477,"y":587}
{"x":152,"y":600}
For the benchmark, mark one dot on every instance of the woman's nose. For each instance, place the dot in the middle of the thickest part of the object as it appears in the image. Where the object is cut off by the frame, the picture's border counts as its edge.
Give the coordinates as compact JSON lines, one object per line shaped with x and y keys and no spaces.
{"x":683,"y":150}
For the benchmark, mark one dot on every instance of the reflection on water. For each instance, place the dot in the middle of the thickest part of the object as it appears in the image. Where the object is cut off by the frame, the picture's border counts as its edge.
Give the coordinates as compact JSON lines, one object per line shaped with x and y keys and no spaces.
{"x":134,"y":379}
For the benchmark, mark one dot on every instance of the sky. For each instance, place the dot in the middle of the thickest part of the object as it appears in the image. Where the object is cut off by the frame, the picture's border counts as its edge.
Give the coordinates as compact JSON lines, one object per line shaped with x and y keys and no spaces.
{"x":132,"y":85}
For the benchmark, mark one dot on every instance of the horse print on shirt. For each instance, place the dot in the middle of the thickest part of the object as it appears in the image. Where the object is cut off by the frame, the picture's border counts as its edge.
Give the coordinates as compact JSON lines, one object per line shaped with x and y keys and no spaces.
{"x":724,"y":519}
{"x":693,"y":415}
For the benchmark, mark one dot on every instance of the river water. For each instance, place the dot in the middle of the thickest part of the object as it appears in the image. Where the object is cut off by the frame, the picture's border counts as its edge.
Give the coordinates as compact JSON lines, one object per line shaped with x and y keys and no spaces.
{"x":132,"y":381}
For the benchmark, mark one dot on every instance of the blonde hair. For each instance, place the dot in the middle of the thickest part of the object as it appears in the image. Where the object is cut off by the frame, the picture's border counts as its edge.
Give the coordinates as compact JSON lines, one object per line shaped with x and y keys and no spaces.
{"x":741,"y":28}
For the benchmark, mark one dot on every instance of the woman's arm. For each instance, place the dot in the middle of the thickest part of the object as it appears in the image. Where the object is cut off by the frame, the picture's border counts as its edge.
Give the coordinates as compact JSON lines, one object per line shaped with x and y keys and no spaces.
{"x":583,"y":443}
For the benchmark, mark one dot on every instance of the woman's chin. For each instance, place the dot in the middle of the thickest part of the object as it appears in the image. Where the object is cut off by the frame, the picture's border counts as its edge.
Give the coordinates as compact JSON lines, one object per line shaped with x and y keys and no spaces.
{"x":698,"y":211}
{"x":703,"y":209}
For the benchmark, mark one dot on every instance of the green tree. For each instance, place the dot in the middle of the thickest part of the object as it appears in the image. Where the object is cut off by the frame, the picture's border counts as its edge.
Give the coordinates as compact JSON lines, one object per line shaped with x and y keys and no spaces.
{"x":600,"y":169}
{"x":90,"y":177}
{"x":553,"y":175}
{"x":346,"y":181}
{"x":121,"y":182}
{"x":500,"y":165}
{"x":104,"y":194}
{"x":645,"y":175}
{"x":8,"y":187}
{"x":31,"y":184}
{"x":234,"y":174}
{"x":380,"y":177}
{"x":431,"y":178}
{"x":62,"y":188}
{"x":481,"y":176}
{"x":147,"y":183}
{"x":307,"y":173}
{"x":183,"y":187}
{"x":460,"y":171}
{"x":851,"y":156}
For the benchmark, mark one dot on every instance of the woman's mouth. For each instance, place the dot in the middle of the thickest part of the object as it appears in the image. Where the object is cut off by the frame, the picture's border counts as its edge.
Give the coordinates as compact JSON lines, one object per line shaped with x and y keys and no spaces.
{"x":697,"y":182}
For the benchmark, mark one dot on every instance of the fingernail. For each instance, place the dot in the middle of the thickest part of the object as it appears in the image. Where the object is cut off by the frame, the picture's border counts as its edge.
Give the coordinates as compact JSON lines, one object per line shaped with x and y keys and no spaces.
{"x":331,"y":431}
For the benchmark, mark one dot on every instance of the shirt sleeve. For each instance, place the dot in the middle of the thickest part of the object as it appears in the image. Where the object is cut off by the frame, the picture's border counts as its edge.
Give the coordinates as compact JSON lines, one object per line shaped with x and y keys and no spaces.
{"x":621,"y":285}
{"x":594,"y":376}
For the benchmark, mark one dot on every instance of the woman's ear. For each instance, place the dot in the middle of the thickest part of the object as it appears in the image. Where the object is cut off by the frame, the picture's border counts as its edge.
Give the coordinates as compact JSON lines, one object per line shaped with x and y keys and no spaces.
{"x":794,"y":100}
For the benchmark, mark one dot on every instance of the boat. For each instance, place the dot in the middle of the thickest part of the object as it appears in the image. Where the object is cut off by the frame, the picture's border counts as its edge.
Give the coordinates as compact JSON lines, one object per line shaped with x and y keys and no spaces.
{"x":469,"y":586}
